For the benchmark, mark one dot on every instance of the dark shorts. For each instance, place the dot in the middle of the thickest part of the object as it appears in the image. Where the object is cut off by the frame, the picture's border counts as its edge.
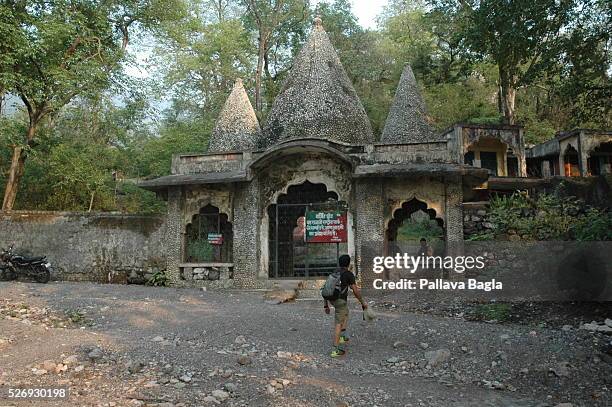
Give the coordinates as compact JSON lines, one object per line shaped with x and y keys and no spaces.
{"x":341,"y":311}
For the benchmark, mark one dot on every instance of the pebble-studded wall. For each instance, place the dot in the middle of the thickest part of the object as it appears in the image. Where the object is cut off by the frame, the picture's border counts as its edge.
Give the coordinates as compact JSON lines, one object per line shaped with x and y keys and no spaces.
{"x":90,"y":246}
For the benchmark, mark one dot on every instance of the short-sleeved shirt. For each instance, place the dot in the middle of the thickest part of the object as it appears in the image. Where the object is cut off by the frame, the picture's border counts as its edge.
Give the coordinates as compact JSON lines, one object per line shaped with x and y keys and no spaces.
{"x":347,"y":279}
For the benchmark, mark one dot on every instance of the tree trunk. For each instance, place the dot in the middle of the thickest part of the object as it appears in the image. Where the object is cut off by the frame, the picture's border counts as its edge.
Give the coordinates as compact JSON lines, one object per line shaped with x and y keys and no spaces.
{"x":263,"y":43}
{"x":16,"y":172}
{"x":507,"y":95}
{"x":12,"y":183}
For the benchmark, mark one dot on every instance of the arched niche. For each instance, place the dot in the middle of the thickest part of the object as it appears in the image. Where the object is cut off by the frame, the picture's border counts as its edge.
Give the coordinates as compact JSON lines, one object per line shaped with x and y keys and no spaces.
{"x":208,"y":237}
{"x":571,"y":161}
{"x":414,"y":212}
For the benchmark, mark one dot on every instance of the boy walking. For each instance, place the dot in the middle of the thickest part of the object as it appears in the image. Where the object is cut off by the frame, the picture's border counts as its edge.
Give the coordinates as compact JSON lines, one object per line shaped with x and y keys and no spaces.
{"x":341,"y":311}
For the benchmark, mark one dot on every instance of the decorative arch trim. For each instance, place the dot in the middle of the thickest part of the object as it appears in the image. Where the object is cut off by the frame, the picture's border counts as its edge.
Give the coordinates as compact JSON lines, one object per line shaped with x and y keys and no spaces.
{"x":300,"y":147}
{"x":438,"y":215}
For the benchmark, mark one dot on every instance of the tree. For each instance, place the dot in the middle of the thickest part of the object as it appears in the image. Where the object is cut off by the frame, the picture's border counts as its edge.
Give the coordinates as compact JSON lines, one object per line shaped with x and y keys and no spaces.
{"x":200,"y":62}
{"x":524,"y":38}
{"x":276,"y":22}
{"x":53,"y":52}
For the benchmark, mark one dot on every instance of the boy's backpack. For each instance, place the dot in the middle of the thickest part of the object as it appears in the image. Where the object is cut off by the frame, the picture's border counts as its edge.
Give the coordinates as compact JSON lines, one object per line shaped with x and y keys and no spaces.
{"x":332,"y":288}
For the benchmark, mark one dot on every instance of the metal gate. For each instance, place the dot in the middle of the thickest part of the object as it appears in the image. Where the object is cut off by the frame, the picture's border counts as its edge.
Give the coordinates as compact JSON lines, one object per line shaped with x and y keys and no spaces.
{"x":290,"y":255}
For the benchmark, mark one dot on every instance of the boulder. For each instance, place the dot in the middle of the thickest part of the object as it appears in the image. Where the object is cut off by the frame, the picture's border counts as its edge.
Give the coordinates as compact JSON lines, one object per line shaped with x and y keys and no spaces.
{"x":437,"y":357}
{"x":220,"y":395}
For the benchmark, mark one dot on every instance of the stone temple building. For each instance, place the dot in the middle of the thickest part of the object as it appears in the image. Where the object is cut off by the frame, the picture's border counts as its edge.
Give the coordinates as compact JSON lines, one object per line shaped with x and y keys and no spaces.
{"x":580,"y":152}
{"x":280,"y":202}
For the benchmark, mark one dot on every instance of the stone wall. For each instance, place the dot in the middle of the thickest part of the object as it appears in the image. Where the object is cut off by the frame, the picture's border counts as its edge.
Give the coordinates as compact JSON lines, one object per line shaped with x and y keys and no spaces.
{"x":99,"y":247}
{"x":474,"y":219}
{"x":212,"y":275}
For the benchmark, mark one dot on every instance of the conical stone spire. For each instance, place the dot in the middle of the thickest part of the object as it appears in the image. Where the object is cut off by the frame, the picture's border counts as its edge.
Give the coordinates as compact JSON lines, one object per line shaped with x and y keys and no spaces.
{"x":406,"y":122}
{"x":317,"y":99}
{"x":237,"y":128}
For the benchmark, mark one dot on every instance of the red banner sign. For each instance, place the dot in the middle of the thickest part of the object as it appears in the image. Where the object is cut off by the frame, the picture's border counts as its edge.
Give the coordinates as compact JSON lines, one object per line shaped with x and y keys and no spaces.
{"x":326,"y":226}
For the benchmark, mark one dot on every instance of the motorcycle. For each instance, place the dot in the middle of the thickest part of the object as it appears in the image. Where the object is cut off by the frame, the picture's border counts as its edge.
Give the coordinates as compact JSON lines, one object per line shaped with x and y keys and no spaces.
{"x":14,"y":265}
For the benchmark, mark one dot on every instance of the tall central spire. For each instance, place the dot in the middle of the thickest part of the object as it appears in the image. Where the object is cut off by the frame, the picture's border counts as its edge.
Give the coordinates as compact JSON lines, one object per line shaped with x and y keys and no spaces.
{"x":317,"y":99}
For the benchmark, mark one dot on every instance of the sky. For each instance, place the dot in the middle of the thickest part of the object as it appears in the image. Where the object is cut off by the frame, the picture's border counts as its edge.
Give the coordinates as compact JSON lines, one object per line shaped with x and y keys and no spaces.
{"x":367,"y":11}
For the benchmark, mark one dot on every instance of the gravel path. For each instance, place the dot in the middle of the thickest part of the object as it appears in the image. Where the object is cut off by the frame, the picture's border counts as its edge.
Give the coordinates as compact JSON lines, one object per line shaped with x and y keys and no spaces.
{"x":183,"y":347}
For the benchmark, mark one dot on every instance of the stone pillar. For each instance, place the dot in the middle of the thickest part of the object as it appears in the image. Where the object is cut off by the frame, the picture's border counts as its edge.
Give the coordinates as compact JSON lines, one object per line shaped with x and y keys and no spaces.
{"x":520,"y":154}
{"x":369,"y":226}
{"x":245,"y":252}
{"x":561,"y":163}
{"x":453,"y":202}
{"x":458,"y":148}
{"x":583,"y":155}
{"x":545,"y":169}
{"x":174,"y":235}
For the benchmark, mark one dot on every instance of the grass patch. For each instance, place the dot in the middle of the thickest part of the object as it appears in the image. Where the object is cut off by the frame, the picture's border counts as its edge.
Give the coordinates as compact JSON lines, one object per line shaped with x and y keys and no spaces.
{"x":77,"y":317}
{"x":492,"y":312}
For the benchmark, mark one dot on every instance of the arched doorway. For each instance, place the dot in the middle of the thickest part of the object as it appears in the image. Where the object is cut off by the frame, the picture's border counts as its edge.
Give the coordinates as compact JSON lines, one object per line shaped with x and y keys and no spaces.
{"x":413,"y":221}
{"x":294,"y":252}
{"x":571,"y":162}
{"x":208,"y":237}
{"x":600,"y":160}
{"x":512,"y":164}
{"x":410,"y":223}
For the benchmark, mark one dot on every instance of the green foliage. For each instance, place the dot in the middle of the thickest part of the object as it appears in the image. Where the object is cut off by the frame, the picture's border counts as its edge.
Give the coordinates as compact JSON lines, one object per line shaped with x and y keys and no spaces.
{"x":77,"y":317}
{"x":552,"y":57}
{"x":199,"y":62}
{"x":594,"y":225}
{"x":90,"y":150}
{"x":176,"y":138}
{"x":158,"y":279}
{"x":97,"y":133}
{"x":132,"y":199}
{"x":472,"y":102}
{"x":414,"y":230}
{"x":54,"y":51}
{"x":200,"y":250}
{"x":499,"y":312}
{"x":548,"y":217}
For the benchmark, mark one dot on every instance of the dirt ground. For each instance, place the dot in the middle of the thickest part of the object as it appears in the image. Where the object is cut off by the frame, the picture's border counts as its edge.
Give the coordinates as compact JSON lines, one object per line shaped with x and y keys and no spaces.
{"x":115,"y":345}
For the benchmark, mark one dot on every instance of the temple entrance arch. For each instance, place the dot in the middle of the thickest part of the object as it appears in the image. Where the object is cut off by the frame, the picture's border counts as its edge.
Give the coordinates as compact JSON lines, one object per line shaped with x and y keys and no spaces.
{"x":295,"y":248}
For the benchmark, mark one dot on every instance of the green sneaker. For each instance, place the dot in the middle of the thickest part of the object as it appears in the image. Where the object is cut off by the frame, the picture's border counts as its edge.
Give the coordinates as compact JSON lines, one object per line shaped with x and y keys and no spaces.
{"x":343,"y":339}
{"x":336,"y":353}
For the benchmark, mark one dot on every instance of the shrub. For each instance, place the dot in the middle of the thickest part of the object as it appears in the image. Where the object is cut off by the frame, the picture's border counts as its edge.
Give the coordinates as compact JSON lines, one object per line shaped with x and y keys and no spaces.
{"x":547,"y":217}
{"x":159,"y":279}
{"x":200,"y":250}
